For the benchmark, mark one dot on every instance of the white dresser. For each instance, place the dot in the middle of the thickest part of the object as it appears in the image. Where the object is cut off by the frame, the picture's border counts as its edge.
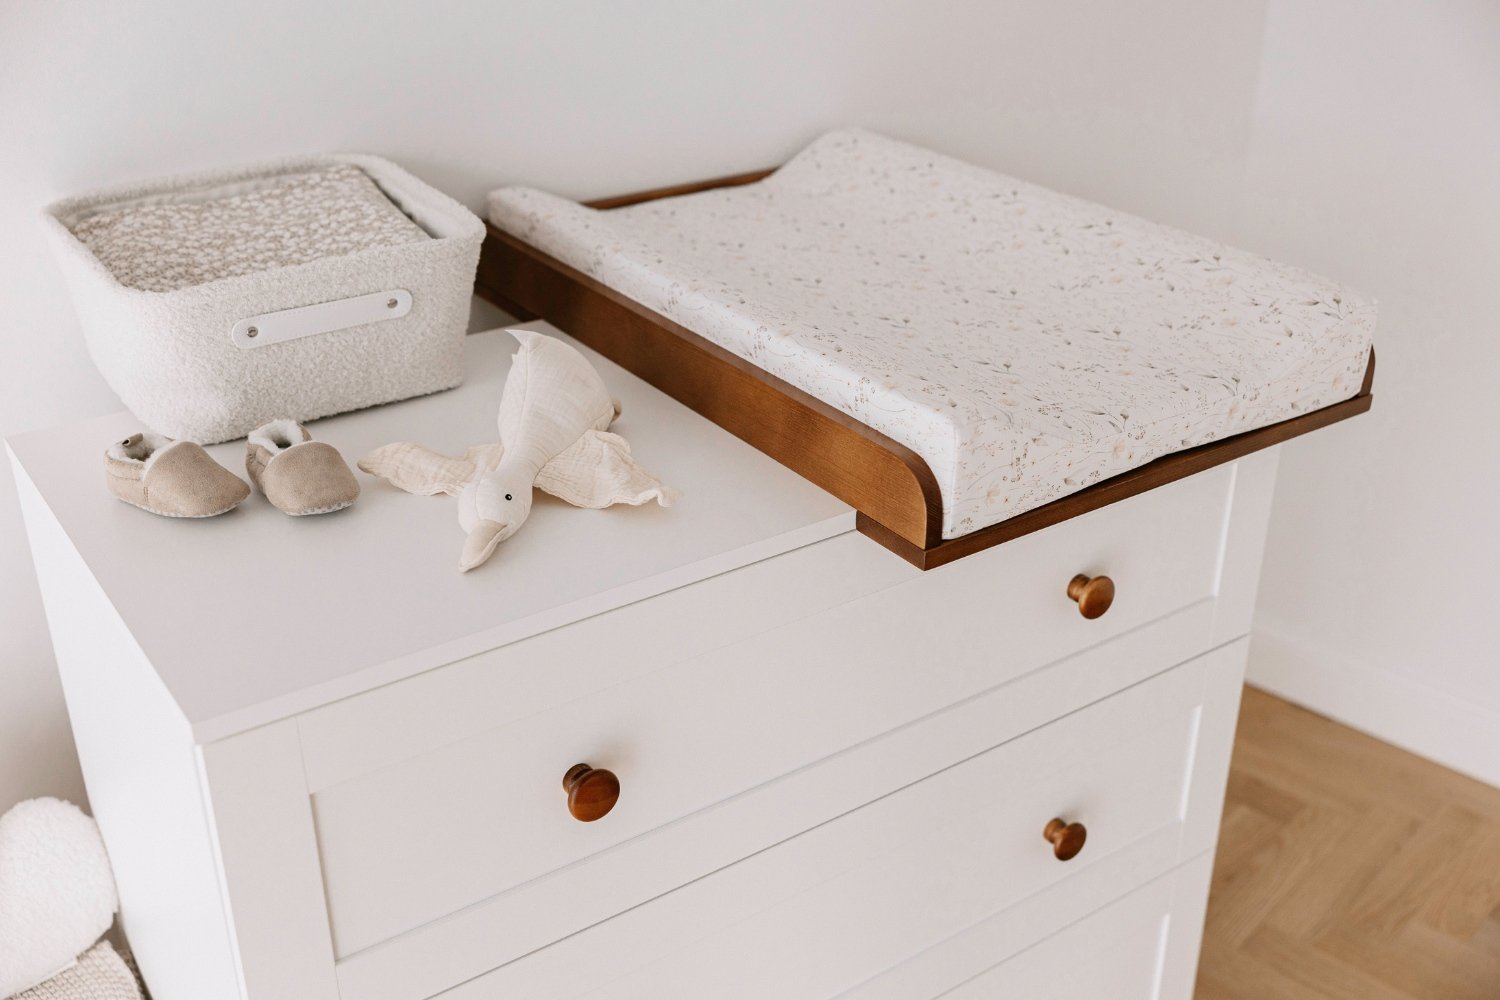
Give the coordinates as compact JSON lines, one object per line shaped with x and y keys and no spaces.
{"x":327,"y":765}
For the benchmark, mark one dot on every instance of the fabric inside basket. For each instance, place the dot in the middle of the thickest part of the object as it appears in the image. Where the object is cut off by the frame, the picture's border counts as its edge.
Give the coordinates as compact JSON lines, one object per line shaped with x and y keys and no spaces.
{"x":196,"y":236}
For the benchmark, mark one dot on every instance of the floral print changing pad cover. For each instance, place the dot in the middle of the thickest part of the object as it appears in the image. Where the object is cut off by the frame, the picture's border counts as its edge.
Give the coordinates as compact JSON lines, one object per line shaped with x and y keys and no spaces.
{"x":1024,"y":342}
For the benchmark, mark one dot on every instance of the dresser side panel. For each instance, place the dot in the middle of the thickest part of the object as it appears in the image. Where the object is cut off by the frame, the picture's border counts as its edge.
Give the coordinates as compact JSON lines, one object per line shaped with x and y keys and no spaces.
{"x":141,"y":769}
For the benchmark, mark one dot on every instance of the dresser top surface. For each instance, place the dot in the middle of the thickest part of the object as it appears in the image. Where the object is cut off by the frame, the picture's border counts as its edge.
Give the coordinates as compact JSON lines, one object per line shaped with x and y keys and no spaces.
{"x":254,"y":615}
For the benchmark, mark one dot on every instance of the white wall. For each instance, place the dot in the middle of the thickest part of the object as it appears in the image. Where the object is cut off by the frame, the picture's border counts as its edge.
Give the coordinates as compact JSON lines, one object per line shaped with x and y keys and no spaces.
{"x":1375,"y":157}
{"x":1148,"y":107}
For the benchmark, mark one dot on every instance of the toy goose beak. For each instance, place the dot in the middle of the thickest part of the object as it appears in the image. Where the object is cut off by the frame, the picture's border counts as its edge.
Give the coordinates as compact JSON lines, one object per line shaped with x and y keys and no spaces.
{"x":480,"y":544}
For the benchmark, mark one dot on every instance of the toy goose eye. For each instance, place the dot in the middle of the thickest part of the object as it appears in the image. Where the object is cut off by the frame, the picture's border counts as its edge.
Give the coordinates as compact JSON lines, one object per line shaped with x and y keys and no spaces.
{"x":507,"y":496}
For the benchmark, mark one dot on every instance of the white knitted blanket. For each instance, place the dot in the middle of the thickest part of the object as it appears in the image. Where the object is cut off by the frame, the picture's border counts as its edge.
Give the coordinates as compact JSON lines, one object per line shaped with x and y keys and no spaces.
{"x":101,"y":974}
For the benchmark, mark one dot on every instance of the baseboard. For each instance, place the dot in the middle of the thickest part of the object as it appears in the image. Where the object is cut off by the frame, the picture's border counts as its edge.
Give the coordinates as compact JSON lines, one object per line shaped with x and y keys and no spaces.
{"x":1412,"y":716}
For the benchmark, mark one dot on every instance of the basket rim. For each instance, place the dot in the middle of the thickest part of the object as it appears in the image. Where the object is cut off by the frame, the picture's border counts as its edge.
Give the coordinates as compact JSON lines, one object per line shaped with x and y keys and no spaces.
{"x":420,"y":201}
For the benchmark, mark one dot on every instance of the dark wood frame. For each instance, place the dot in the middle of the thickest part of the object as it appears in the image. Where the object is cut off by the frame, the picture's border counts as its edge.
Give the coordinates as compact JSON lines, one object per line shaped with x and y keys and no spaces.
{"x":892,"y":488}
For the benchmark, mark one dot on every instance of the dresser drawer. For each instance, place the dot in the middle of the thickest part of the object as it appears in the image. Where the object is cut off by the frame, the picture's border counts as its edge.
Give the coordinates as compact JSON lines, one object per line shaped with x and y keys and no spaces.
{"x":1141,"y":770}
{"x":1140,"y":947}
{"x":1063,"y":945}
{"x":476,"y":817}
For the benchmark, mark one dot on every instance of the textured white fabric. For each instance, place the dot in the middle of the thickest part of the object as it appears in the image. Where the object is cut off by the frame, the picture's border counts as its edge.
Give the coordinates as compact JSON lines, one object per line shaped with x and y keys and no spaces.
{"x":161,"y":245}
{"x":278,"y":435}
{"x":57,"y":893}
{"x":101,"y":974}
{"x":169,"y":354}
{"x":144,"y":447}
{"x":1025,"y":343}
{"x":427,"y":473}
{"x":552,"y":397}
{"x":597,"y":471}
{"x":553,"y":421}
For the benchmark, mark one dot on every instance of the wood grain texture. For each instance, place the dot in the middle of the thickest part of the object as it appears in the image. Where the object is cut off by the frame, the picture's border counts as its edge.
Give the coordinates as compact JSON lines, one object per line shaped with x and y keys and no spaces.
{"x":1094,"y":594}
{"x":592,"y":792}
{"x":677,"y":190}
{"x":1349,"y":870}
{"x":1067,"y":839}
{"x":898,"y":499}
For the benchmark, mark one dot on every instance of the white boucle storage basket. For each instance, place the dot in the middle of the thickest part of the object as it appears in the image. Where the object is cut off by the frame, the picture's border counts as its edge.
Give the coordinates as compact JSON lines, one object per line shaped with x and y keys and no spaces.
{"x":211,"y":361}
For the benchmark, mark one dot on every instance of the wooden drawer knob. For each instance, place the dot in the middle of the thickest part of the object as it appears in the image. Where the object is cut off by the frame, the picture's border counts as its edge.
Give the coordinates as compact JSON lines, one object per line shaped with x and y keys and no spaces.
{"x":1094,"y":594}
{"x":592,"y":792}
{"x":1066,"y":838}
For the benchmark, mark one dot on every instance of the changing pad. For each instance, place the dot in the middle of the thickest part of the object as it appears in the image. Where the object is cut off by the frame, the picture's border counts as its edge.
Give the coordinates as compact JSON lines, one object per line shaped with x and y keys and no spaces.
{"x":165,"y":242}
{"x":1025,"y":343}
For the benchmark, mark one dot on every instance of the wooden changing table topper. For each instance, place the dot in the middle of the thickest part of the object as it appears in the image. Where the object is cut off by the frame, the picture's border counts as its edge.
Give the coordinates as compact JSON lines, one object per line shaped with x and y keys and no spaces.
{"x":896,"y":495}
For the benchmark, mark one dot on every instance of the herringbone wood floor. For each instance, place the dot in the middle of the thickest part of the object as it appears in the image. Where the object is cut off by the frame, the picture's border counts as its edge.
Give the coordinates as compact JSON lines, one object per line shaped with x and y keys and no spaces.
{"x":1349,"y":870}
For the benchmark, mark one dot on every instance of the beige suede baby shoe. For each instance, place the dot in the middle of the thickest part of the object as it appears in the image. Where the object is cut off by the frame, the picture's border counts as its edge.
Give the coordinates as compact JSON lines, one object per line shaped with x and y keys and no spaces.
{"x":297,"y":474}
{"x":171,"y":478}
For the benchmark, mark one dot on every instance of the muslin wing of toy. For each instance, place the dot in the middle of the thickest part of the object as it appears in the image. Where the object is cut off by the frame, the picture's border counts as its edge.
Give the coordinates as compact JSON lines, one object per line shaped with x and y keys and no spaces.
{"x":598,"y":471}
{"x":425,"y":472}
{"x":553,"y":420}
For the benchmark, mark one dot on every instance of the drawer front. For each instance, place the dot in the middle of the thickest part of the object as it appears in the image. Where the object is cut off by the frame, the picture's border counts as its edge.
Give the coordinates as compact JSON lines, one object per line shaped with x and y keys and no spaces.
{"x":1125,"y":951}
{"x":476,"y":817}
{"x":1064,"y":944}
{"x":1116,"y":953}
{"x":827,"y":910}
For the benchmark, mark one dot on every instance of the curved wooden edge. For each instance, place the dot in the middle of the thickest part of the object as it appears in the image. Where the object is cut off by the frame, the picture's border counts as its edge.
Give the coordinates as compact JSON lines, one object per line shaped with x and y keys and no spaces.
{"x":891,"y":487}
{"x":1163,"y":470}
{"x":879,"y":477}
{"x":692,"y":187}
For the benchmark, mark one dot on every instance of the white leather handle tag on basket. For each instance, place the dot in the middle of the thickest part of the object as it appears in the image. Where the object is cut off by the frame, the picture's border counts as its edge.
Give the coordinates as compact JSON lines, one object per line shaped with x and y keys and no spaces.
{"x":325,"y":317}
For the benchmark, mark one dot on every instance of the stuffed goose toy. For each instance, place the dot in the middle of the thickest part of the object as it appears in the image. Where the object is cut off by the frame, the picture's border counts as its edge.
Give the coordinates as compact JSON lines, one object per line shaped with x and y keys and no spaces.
{"x":554,"y":420}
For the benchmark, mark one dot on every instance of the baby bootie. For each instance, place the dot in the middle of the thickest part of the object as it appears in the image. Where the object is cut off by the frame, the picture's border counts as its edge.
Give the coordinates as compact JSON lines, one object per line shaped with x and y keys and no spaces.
{"x":170,"y":478}
{"x":297,"y":474}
